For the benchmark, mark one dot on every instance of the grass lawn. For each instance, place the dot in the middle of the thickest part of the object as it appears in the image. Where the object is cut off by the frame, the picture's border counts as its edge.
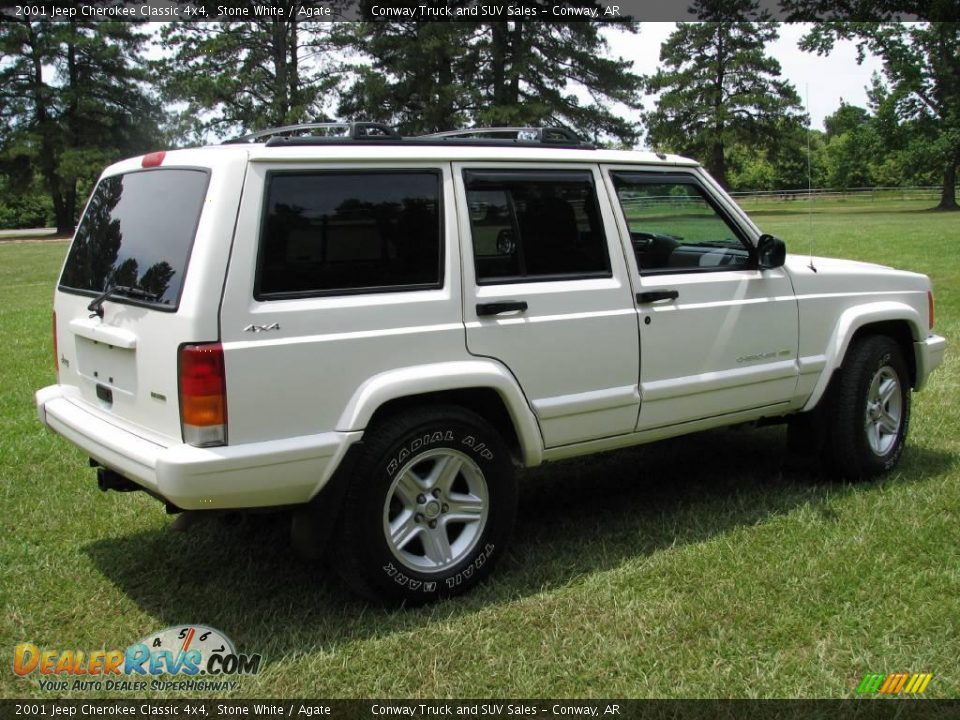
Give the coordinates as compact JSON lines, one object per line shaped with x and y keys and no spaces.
{"x":707,"y":566}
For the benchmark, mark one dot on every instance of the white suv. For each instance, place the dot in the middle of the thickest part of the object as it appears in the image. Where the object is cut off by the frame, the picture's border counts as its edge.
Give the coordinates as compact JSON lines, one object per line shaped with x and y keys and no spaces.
{"x":375,"y":331}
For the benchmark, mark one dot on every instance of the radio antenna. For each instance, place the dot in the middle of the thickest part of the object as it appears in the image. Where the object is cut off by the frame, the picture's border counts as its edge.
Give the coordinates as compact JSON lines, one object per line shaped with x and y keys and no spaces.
{"x":809,"y":182}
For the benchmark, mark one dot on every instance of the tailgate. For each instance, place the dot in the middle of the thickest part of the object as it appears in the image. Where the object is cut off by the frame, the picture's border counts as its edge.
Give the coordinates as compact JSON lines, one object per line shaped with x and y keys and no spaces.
{"x":144,"y":276}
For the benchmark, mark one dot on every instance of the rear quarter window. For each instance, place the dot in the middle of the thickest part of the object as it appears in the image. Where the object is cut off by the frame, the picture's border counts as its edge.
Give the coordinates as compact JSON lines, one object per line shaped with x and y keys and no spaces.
{"x":341,"y":232}
{"x":137,"y":231}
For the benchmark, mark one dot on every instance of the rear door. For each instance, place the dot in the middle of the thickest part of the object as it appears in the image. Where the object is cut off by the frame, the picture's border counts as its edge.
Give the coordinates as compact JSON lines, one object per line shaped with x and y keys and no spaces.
{"x":547,"y":294}
{"x":340,"y":272}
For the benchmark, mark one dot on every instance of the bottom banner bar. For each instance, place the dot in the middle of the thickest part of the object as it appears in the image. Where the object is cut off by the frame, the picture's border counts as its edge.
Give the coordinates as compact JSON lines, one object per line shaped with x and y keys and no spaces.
{"x":862,"y":709}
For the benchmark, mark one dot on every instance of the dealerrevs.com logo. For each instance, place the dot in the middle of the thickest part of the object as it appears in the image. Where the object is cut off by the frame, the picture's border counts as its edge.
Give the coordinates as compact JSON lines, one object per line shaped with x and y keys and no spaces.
{"x":201,"y":657}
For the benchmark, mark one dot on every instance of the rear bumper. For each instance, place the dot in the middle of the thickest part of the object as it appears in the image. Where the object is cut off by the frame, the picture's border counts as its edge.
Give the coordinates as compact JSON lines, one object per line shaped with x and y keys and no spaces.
{"x":275,"y":472}
{"x":928,"y":354}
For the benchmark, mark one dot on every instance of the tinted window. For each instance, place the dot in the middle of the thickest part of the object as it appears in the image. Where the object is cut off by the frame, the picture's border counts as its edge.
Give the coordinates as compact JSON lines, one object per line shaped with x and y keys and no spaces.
{"x":137,"y":231}
{"x":336,"y":232}
{"x":673,"y":226}
{"x":535,"y":225}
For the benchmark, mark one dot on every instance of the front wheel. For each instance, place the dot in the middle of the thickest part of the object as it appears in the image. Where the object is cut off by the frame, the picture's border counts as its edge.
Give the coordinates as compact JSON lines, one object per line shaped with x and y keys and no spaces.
{"x":430,"y":507}
{"x":871,"y":410}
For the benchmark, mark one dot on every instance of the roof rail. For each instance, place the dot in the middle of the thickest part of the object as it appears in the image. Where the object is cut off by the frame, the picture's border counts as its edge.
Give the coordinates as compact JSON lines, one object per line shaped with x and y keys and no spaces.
{"x":348,"y":131}
{"x":550,"y":135}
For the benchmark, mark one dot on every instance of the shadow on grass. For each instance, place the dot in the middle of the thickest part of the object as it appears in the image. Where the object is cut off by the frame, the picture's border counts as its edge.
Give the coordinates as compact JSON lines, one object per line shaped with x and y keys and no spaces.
{"x":576,"y":518}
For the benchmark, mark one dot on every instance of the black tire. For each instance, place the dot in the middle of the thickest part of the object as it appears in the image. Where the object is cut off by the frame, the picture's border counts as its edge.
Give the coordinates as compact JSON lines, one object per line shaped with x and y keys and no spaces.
{"x":444,"y":449}
{"x":855,"y":448}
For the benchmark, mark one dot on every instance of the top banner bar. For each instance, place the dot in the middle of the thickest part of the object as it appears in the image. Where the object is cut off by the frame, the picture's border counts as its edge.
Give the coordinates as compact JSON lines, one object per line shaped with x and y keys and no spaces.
{"x":457,"y":11}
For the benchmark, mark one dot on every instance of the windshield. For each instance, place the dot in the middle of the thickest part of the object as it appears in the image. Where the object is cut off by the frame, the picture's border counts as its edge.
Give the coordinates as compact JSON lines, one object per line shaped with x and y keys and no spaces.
{"x":137,"y":232}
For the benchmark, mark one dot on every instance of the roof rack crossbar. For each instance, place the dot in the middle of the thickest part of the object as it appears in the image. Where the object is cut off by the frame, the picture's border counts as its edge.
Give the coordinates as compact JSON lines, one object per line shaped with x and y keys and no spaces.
{"x":349,"y":130}
{"x":304,"y":141}
{"x":550,"y":135}
{"x":347,"y":133}
{"x":520,"y":132}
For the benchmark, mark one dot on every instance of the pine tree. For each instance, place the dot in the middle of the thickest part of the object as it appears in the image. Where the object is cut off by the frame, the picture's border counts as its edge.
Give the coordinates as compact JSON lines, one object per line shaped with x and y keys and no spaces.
{"x":414,"y":75}
{"x":235,"y":77}
{"x":718,"y":87}
{"x":528,"y":70}
{"x":431,"y":76}
{"x":74,"y":100}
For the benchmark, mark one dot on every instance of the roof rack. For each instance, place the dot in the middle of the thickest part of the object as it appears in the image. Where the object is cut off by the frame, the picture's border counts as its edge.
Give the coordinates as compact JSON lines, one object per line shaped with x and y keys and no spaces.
{"x":348,"y":131}
{"x":551,"y":135}
{"x":358,"y":133}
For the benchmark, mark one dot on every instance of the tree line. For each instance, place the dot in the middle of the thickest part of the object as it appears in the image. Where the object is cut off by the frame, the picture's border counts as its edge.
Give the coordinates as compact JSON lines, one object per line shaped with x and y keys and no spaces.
{"x":75,"y":96}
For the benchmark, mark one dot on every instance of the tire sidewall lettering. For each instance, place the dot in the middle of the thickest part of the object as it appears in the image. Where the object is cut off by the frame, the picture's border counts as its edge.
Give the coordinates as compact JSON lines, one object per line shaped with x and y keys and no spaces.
{"x":467,"y":572}
{"x":885,"y":359}
{"x":480,"y":448}
{"x":431,"y":586}
{"x":426,"y":440}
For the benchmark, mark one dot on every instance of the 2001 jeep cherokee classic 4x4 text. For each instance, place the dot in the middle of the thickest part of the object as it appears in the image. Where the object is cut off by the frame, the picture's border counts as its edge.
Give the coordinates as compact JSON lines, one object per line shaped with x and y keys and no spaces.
{"x":377,"y":330}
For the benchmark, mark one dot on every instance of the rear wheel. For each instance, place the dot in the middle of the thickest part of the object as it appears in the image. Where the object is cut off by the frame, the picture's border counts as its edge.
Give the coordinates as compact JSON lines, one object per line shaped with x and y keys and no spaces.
{"x":870,"y":413}
{"x":429,"y":509}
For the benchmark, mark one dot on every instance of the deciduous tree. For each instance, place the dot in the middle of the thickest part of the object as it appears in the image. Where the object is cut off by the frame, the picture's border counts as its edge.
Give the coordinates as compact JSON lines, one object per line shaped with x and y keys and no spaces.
{"x":718,"y":87}
{"x":921,"y":64}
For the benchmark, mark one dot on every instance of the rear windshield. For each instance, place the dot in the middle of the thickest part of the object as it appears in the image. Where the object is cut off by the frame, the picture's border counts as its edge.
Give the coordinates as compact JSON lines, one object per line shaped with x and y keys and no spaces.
{"x":137,"y":232}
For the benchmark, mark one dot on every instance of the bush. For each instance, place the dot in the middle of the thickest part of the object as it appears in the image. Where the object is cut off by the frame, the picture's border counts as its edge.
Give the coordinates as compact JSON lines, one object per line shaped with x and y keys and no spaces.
{"x":24,"y":211}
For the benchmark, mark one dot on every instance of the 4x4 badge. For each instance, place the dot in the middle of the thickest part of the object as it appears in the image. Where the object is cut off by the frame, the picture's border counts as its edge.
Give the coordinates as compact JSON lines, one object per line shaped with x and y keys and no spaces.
{"x":261,"y":328}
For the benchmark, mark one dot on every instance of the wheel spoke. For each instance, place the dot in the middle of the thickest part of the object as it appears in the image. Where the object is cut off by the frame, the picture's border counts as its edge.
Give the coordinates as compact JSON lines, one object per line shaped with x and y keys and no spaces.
{"x":445,"y":472}
{"x":437,"y":545}
{"x":408,"y":488}
{"x":403,"y":529}
{"x":464,"y":508}
{"x":873,"y":435}
{"x":888,"y":423}
{"x":887,"y":390}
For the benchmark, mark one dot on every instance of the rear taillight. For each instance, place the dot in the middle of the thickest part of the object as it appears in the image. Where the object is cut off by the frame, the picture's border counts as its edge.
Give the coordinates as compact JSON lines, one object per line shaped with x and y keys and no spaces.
{"x":930,"y":309}
{"x":203,"y":395}
{"x":56,"y":352}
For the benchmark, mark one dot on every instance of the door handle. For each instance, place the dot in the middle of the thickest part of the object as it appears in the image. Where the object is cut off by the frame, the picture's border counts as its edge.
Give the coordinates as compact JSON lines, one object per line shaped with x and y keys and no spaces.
{"x":657,"y":295}
{"x":497,"y":308}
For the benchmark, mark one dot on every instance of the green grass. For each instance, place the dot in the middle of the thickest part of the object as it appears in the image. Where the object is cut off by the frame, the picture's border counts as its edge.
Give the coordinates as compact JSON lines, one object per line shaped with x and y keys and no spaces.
{"x":707,"y":566}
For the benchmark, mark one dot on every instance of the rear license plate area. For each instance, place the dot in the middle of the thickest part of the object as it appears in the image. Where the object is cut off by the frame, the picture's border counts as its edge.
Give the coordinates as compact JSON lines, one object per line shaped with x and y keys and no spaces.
{"x":104,"y":393}
{"x":103,"y":364}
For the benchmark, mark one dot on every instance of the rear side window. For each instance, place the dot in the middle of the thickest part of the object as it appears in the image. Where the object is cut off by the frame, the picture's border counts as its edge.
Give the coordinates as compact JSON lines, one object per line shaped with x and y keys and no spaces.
{"x":348,"y":232}
{"x":137,"y":232}
{"x":535,"y":225}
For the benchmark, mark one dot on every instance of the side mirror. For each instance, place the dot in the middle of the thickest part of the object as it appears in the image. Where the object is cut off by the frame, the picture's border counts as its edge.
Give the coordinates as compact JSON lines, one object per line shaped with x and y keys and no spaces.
{"x":771,"y":252}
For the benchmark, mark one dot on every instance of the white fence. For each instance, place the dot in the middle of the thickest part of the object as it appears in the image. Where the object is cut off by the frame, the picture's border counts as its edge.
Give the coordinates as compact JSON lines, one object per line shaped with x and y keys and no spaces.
{"x":866,"y":194}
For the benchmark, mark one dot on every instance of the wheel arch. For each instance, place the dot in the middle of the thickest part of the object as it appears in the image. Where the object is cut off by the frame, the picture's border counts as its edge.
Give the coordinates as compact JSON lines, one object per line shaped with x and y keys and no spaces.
{"x":481,"y":386}
{"x":896,"y":320}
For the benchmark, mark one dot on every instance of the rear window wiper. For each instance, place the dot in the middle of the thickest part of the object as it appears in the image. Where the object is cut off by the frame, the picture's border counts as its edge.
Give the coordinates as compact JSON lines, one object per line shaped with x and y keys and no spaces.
{"x":96,"y":305}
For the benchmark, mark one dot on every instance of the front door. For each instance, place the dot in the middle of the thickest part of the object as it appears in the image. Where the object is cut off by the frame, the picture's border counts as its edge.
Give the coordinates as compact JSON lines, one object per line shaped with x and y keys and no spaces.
{"x":717,"y":335}
{"x":546,"y":292}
